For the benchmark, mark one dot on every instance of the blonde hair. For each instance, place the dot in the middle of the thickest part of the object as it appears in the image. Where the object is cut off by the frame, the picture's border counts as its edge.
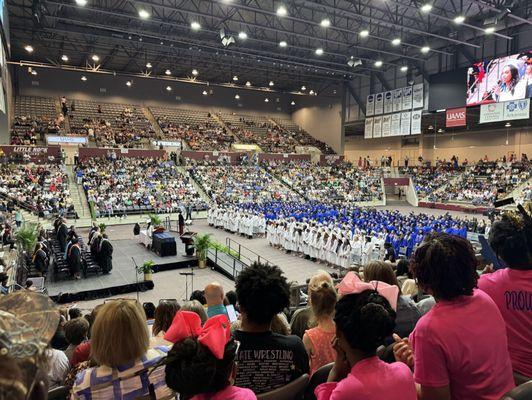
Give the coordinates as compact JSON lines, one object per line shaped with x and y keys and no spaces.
{"x":119,"y":334}
{"x":322,"y":300}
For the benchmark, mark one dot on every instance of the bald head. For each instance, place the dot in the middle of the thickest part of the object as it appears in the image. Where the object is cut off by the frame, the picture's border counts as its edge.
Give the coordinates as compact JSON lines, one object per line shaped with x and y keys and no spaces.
{"x":214,"y":294}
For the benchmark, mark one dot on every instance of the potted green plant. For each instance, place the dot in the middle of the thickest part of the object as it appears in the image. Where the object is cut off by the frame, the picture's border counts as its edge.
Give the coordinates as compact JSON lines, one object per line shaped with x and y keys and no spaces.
{"x":26,"y":237}
{"x":202,"y":244}
{"x":156,"y":221}
{"x":102,"y":227}
{"x":147,"y":269}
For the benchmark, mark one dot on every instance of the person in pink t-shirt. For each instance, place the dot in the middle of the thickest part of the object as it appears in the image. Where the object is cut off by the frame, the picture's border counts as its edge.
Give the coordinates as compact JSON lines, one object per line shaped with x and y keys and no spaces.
{"x":363,"y":320}
{"x":459,"y":348}
{"x":201,"y":364}
{"x":511,"y":288}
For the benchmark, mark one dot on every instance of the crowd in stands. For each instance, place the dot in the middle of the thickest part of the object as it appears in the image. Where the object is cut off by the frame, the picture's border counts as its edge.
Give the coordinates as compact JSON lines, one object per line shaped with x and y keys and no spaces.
{"x":439,"y":325}
{"x":239,"y":184}
{"x":428,"y":179}
{"x":342,"y":182}
{"x":125,"y":185}
{"x":42,"y":188}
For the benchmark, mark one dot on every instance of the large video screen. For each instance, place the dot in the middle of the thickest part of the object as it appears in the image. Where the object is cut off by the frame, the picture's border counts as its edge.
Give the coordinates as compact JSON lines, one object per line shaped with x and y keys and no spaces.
{"x":500,"y":79}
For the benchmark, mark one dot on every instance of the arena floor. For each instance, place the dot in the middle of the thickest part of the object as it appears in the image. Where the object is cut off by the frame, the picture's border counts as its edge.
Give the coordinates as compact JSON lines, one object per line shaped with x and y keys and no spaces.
{"x":169,"y":284}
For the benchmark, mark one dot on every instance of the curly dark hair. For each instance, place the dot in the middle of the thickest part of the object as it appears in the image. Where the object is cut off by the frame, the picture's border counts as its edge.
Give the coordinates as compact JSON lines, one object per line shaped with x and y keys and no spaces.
{"x":445,"y":266}
{"x":164,"y":315}
{"x":365,"y":319}
{"x":511,"y":240}
{"x":192,"y":369}
{"x":198,"y":295}
{"x":262,"y":292}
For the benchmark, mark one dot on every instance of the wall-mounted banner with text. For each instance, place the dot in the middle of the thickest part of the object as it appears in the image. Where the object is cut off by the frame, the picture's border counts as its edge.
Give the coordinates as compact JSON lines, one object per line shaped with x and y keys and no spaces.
{"x":379,"y":103}
{"x":388,"y":102}
{"x":455,"y":117}
{"x":368,"y":128}
{"x":405,"y":123}
{"x":396,"y":124}
{"x":415,"y":128}
{"x":516,"y":109}
{"x":370,"y":105}
{"x":377,"y":126}
{"x":492,"y":112}
{"x":386,"y":125}
{"x":417,"y":96}
{"x":407,"y":98}
{"x":397,"y":100}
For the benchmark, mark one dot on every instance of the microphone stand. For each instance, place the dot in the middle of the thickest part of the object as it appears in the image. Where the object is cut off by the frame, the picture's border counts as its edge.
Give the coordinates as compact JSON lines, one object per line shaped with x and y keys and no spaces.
{"x":136,"y":278}
{"x":186,"y":275}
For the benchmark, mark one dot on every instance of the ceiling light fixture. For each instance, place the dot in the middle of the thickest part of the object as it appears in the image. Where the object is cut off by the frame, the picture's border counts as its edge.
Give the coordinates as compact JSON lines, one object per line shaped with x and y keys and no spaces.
{"x":195,"y":26}
{"x":243,"y":35}
{"x":235,"y":78}
{"x":364,"y":33}
{"x":293,"y":103}
{"x":28,"y":48}
{"x":426,"y":8}
{"x":282,"y":43}
{"x":95,"y":58}
{"x":84,"y":78}
{"x":169,"y":88}
{"x":396,"y":41}
{"x":64,"y":58}
{"x":325,"y":23}
{"x":378,"y":63}
{"x":311,"y":92}
{"x":303,"y":88}
{"x":168,"y":72}
{"x":489,"y":30}
{"x":195,"y":72}
{"x":204,"y":93}
{"x":237,"y":96}
{"x":248,"y":83}
{"x":266,"y":100}
{"x":404,"y":68}
{"x":459,"y":19}
{"x":319,"y":51}
{"x":81,"y":3}
{"x":271,"y":83}
{"x":148,"y":65}
{"x":281,"y":11}
{"x":128,"y":83}
{"x":143,"y":14}
{"x":425,"y":49}
{"x":34,"y":72}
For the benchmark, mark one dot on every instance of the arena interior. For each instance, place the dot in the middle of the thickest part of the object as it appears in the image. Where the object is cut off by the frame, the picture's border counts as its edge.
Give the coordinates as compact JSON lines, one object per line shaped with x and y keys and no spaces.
{"x":266,"y":199}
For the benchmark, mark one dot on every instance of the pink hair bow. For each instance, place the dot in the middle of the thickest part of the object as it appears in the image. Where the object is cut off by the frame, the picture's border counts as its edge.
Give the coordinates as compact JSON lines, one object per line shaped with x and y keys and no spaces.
{"x":352,"y":284}
{"x":214,"y":335}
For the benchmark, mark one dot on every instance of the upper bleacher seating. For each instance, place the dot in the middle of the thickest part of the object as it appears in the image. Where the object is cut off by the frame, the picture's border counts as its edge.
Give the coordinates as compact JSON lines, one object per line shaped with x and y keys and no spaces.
{"x":33,"y":118}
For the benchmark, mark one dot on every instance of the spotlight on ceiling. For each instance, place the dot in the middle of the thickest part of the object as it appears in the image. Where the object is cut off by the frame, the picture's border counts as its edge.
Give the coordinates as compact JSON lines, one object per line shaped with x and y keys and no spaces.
{"x":235,"y":78}
{"x":303,"y":88}
{"x":396,"y":41}
{"x":148,"y":65}
{"x":248,"y":83}
{"x":128,"y":83}
{"x":143,"y":14}
{"x":237,"y":96}
{"x":168,"y":72}
{"x":34,"y":72}
{"x":195,"y":72}
{"x":426,"y":7}
{"x":325,"y":23}
{"x":404,"y":68}
{"x":84,"y":78}
{"x":81,"y":3}
{"x":459,"y":19}
{"x":271,"y":83}
{"x":195,"y":26}
{"x":311,"y":92}
{"x":169,"y":88}
{"x":204,"y":93}
{"x":95,"y":58}
{"x":364,"y":33}
{"x":283,"y":43}
{"x":293,"y":103}
{"x":28,"y":48}
{"x":242,"y":35}
{"x":282,"y":11}
{"x":378,"y":63}
{"x":266,"y":100}
{"x":64,"y":58}
{"x":319,"y":51}
{"x":489,"y":30}
{"x":425,"y":49}
{"x":507,"y":125}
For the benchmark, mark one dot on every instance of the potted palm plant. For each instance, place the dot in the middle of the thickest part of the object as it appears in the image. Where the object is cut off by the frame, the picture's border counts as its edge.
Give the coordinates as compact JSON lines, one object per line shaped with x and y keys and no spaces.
{"x":202,"y":244}
{"x":156,"y":221}
{"x":147,"y":269}
{"x":26,"y":238}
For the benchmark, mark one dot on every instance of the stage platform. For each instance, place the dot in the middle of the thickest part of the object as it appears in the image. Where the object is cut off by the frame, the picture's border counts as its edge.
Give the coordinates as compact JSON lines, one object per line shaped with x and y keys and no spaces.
{"x":123,"y":277}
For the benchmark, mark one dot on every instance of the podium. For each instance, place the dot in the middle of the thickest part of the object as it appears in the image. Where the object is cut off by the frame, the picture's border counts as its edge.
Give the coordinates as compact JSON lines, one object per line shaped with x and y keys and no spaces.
{"x":187,"y":239}
{"x":164,"y":244}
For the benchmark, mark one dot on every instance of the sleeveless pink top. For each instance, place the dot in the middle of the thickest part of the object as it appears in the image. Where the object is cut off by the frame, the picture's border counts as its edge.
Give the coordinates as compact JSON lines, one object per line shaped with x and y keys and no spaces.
{"x":323,"y":352}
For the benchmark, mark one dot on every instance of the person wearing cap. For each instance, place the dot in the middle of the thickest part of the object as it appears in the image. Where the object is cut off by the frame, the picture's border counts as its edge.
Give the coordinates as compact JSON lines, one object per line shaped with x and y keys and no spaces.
{"x":28,"y":321}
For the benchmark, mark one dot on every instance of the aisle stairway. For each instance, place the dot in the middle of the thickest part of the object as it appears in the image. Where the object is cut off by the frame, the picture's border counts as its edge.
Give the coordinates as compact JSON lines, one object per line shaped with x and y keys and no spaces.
{"x":78,"y":196}
{"x":223,"y":125}
{"x":196,"y":185}
{"x":149,"y":115}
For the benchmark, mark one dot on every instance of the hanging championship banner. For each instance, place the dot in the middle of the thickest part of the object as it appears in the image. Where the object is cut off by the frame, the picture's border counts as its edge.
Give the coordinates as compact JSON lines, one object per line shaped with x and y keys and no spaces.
{"x":386,"y":125}
{"x":397,"y":100}
{"x":396,"y":124}
{"x":415,"y":128}
{"x":407,"y":98}
{"x":379,"y":103}
{"x":417,"y":96}
{"x":517,"y":109}
{"x":368,"y":128}
{"x":405,"y":123}
{"x":492,"y":112}
{"x":370,"y":105}
{"x":388,"y":102}
{"x":377,"y":127}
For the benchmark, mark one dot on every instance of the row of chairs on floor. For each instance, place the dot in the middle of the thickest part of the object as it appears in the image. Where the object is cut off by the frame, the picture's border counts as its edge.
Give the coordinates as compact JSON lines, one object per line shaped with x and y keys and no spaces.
{"x":60,"y":265}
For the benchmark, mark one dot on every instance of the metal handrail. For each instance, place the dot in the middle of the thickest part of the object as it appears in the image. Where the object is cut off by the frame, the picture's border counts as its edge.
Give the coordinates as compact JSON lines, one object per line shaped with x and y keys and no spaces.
{"x":240,"y":248}
{"x":213,"y":252}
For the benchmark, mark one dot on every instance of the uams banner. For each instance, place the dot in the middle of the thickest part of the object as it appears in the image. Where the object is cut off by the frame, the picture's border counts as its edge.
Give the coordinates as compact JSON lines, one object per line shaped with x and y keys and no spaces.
{"x":455,"y":117}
